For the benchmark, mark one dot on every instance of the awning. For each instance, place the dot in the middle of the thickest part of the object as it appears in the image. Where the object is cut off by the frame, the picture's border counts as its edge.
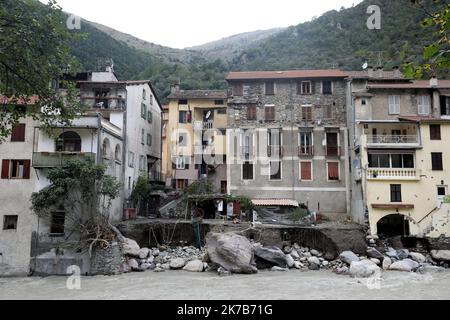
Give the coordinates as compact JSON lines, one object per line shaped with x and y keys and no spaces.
{"x":275,"y":202}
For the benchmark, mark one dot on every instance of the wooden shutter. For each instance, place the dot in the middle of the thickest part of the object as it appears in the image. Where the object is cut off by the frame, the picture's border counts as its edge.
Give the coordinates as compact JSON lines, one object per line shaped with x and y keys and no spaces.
{"x":435,"y":132}
{"x":313,"y":87}
{"x":251,"y":112}
{"x":5,"y":169}
{"x":238,"y":89}
{"x":270,"y":88}
{"x":270,"y":113}
{"x":333,"y":171}
{"x":18,"y":133}
{"x":26,"y":169}
{"x":305,"y":169}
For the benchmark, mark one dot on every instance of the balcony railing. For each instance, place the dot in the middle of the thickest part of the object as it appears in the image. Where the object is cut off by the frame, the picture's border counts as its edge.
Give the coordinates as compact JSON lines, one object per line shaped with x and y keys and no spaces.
{"x":306,"y":151}
{"x":105,"y":103}
{"x":392,"y":174}
{"x":58,"y":159}
{"x":208,"y":125}
{"x":333,"y":151}
{"x":393,"y":139}
{"x":273,"y":151}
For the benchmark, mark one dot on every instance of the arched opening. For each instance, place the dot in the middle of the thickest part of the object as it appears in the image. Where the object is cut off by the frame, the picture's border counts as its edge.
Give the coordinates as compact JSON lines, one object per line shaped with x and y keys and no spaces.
{"x":117,"y":153}
{"x":393,"y":225}
{"x":68,"y":141}
{"x":106,"y":148}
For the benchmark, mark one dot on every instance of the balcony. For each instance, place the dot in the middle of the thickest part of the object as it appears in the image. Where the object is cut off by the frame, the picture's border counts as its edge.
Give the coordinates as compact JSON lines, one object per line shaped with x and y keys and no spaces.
{"x":333,"y":151}
{"x":203,"y":125}
{"x":392,"y":174}
{"x":58,"y":159}
{"x":104,"y":103}
{"x":306,"y":151}
{"x":394,"y":141}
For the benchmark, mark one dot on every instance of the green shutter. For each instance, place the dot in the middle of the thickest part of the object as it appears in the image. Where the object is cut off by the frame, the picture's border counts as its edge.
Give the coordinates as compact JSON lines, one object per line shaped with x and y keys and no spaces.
{"x":149,"y":116}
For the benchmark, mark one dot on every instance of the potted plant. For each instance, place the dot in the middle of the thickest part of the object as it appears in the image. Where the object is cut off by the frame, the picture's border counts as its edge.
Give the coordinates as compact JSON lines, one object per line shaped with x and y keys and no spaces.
{"x":375,"y":173}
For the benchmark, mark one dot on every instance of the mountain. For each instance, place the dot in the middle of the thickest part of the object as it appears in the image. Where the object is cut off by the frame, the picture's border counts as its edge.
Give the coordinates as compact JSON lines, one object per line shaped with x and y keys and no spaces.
{"x":230,"y":47}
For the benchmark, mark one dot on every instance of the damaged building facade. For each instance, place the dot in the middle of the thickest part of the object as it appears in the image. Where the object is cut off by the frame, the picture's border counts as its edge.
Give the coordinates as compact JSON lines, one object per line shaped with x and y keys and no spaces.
{"x":287,"y":138}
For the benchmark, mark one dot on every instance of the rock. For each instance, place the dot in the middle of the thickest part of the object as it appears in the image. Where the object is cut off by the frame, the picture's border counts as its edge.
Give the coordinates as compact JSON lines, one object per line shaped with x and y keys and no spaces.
{"x":194,"y":266}
{"x":298,"y":265}
{"x":314,"y":252}
{"x":376,"y":261}
{"x":429,"y":268}
{"x":342,"y":271}
{"x":406,"y":265}
{"x":275,"y":268}
{"x":290,"y":261}
{"x":363,"y":269}
{"x":325,"y":263}
{"x":295,"y":255}
{"x":314,"y":260}
{"x":391,"y":253}
{"x":372,"y":241}
{"x":133,"y":264}
{"x":143,"y":253}
{"x":402,"y":254}
{"x":386,"y":263}
{"x":287,"y":250}
{"x":418,"y":257}
{"x":177,"y":263}
{"x":303,"y":259}
{"x":165,"y":266}
{"x":374,"y":253}
{"x":130,"y":248}
{"x":307,"y":254}
{"x":271,"y":254}
{"x":155,"y":252}
{"x":145,"y":266}
{"x":348,"y":257}
{"x":222,"y":272}
{"x":205,"y":266}
{"x":314,"y":267}
{"x":233,"y":252}
{"x":441,"y":255}
{"x":150,"y":259}
{"x":124,"y":267}
{"x":158,"y":269}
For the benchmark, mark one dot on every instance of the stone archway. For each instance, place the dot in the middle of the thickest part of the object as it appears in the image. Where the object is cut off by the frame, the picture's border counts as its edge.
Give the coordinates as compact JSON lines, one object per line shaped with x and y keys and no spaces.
{"x":394,"y":225}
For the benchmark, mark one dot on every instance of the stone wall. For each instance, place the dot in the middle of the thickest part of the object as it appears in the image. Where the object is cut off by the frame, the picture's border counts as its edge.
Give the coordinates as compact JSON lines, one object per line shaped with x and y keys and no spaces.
{"x":106,"y":261}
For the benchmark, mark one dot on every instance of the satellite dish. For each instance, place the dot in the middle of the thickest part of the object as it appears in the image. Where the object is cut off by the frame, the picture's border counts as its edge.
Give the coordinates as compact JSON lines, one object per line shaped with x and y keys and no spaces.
{"x":208,"y":114}
{"x":365,"y":65}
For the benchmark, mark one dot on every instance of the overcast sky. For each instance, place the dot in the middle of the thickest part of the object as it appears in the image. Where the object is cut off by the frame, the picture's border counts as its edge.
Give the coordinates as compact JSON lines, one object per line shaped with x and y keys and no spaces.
{"x":185,"y":23}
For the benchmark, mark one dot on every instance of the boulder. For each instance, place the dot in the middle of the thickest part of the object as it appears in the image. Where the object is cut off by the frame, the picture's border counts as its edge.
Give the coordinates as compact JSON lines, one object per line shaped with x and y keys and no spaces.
{"x":233,"y":252}
{"x":386,"y":263}
{"x":374,"y":253}
{"x":298,"y":265}
{"x":418,"y":257}
{"x":124,"y":267}
{"x":145,"y":266}
{"x":314,"y":260}
{"x":275,"y":268}
{"x":376,"y":261}
{"x":222,"y":272}
{"x":441,"y":255}
{"x":363,"y":269}
{"x":133,"y":264}
{"x":295,"y":255}
{"x":314,"y":252}
{"x":165,"y":266}
{"x":348,"y":257}
{"x":177,"y":263}
{"x":143,"y":253}
{"x":402,"y":254}
{"x":155,"y":252}
{"x":314,"y":267}
{"x":406,"y":265}
{"x":273,"y":255}
{"x":342,"y":271}
{"x":307,"y":254}
{"x":130,"y":247}
{"x":194,"y":266}
{"x":159,"y":269}
{"x":325,"y":263}
{"x":290,"y":261}
{"x":391,"y":253}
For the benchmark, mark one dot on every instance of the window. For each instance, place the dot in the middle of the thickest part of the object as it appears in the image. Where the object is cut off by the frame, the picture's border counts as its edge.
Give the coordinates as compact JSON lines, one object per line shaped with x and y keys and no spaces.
{"x":184,"y":117}
{"x":436,"y":161}
{"x":270,"y":88}
{"x":327,"y":87}
{"x":275,"y":170}
{"x":445,"y":106}
{"x":182,"y":183}
{"x":251,"y":112}
{"x":306,"y":171}
{"x":68,"y":142}
{"x":247,"y":171}
{"x":143,"y":111}
{"x":151,"y":99}
{"x":247,"y":145}
{"x":306,"y":143}
{"x":306,"y":113}
{"x":274,"y":137}
{"x":328,"y":112}
{"x":333,"y":171}
{"x":238,"y":89}
{"x":131,"y":159}
{"x":18,"y":133}
{"x":223,"y":187}
{"x":397,"y":161}
{"x":180,"y":163}
{"x":269,"y":113}
{"x":394,"y":104}
{"x":142,"y":136}
{"x":183,"y":102}
{"x":142,"y":163}
{"x":10,"y":222}
{"x":435,"y":132}
{"x":442,"y":191}
{"x":423,"y":105}
{"x":101,"y":100}
{"x":149,"y":140}
{"x":332,"y":144}
{"x":222,"y":111}
{"x":144,"y":94}
{"x":117,"y":155}
{"x":57,"y":223}
{"x":149,"y":116}
{"x":363,"y":102}
{"x":106,"y":148}
{"x":219,"y":102}
{"x":182,"y":139}
{"x":396,"y":193}
{"x":304,"y":87}
{"x":15,"y":169}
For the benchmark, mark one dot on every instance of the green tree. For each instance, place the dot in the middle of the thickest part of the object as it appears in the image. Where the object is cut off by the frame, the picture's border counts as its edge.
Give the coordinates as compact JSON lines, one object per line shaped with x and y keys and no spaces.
{"x":85,"y":193}
{"x":34,"y":51}
{"x":436,"y":54}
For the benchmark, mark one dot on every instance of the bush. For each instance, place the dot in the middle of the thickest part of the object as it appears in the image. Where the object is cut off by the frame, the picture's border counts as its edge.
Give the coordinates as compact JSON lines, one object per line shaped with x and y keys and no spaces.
{"x":298,"y":214}
{"x":447,"y":199}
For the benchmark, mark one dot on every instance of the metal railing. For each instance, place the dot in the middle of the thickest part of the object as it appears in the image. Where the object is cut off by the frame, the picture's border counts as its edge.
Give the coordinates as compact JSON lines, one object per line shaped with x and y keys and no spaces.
{"x":306,"y":150}
{"x":58,"y":159}
{"x":392,"y":139}
{"x":333,"y":151}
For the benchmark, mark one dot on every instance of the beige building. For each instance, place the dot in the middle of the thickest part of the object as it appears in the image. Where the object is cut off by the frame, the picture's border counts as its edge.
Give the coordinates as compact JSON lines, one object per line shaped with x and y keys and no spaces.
{"x":195,"y":142}
{"x":400,"y":159}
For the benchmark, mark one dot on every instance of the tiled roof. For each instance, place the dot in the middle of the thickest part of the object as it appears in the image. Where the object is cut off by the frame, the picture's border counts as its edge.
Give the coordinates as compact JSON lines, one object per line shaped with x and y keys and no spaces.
{"x":199,"y":94}
{"x":417,"y":84}
{"x":275,"y":202}
{"x":423,"y":119}
{"x":32,"y":100}
{"x":131,"y":82}
{"x":377,"y":75}
{"x":290,"y":74}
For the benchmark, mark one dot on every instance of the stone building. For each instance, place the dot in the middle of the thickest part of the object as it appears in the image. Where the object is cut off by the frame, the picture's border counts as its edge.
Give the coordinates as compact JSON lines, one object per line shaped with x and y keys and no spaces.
{"x":287,"y":138}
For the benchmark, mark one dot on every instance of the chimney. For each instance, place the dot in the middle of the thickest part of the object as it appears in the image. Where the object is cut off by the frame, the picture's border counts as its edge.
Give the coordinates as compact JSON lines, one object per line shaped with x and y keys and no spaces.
{"x":397,"y":73}
{"x":434,"y":82}
{"x":175,"y":87}
{"x":370,"y":71}
{"x":380,"y":72}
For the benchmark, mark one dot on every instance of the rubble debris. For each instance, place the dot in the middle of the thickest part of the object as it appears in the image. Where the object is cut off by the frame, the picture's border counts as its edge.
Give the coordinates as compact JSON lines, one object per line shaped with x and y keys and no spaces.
{"x":130,"y":247}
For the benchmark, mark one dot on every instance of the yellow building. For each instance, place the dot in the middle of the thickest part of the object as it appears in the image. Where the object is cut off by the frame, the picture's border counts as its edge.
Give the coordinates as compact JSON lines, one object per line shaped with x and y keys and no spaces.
{"x":195,"y":138}
{"x":403,"y":129}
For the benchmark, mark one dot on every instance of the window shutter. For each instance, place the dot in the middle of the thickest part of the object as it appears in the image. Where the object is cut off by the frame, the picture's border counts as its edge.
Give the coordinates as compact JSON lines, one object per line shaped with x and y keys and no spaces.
{"x":18,"y":133}
{"x":306,"y":171}
{"x":313,"y":87}
{"x":5,"y":169}
{"x":333,"y":170}
{"x":26,"y":169}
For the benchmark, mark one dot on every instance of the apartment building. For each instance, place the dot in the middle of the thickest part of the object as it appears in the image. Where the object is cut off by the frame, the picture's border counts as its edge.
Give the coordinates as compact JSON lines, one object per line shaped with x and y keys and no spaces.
{"x":196,"y":138}
{"x":287,"y":138}
{"x":400,"y":160}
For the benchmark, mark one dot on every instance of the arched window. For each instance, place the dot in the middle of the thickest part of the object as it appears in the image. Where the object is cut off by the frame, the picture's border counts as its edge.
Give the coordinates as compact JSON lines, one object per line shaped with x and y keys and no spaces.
{"x":106,"y":148}
{"x":117,"y":155}
{"x":69,"y":141}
